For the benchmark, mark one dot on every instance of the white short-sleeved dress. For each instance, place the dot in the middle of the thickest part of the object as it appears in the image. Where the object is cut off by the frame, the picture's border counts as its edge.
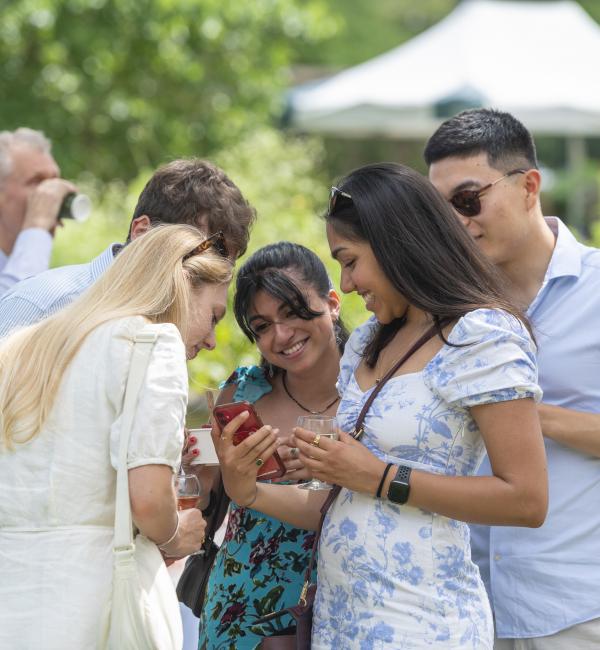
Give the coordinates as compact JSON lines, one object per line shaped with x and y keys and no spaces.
{"x":392,"y":576}
{"x":57,"y":492}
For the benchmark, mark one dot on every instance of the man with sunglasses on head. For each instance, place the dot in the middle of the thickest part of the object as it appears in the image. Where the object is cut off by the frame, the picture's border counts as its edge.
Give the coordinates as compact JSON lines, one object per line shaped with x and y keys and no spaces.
{"x":544,"y":584}
{"x":190,"y":191}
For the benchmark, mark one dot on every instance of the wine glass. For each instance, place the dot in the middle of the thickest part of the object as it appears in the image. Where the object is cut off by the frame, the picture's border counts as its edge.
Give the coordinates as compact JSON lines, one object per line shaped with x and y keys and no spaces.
{"x":325,"y":426}
{"x":188,"y":491}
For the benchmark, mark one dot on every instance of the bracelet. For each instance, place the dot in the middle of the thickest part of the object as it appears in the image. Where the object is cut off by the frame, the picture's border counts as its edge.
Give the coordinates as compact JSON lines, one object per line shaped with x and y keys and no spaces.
{"x":247,"y":505}
{"x":173,"y":536}
{"x":385,"y":473}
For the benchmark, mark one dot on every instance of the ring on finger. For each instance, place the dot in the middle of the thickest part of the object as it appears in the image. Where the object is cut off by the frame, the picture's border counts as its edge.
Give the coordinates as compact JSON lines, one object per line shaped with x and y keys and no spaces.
{"x":259,"y":462}
{"x":294,"y":451}
{"x":223,"y":437}
{"x":316,"y":440}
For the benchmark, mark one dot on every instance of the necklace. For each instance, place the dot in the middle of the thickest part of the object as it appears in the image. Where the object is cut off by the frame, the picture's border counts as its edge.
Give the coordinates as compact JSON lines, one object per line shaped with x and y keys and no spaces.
{"x":381,"y":374}
{"x":287,"y":390}
{"x":381,"y":362}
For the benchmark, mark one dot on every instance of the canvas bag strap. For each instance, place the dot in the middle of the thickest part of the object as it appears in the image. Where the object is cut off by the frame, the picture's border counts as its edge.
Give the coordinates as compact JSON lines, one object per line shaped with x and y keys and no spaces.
{"x":142,"y":349}
{"x":358,"y":431}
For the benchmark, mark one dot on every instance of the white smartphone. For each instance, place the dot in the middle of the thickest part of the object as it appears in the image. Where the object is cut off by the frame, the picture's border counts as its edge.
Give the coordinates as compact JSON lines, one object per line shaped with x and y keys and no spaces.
{"x":204,"y":444}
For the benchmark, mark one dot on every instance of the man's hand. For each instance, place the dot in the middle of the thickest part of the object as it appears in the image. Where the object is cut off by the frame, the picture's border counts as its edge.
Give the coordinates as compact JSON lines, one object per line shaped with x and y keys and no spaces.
{"x":44,"y":203}
{"x":576,"y":429}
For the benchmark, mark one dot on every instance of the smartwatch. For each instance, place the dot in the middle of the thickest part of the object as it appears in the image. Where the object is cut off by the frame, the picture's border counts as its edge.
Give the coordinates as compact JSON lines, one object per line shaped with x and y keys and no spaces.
{"x":400,"y":486}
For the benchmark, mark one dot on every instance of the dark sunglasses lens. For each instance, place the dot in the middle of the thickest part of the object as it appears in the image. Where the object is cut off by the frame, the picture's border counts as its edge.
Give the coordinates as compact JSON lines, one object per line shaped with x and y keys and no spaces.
{"x":220,"y":246}
{"x":467,"y":203}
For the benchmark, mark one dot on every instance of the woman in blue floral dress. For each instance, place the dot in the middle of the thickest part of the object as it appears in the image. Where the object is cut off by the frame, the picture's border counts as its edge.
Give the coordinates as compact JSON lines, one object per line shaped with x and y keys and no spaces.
{"x":285,"y":303}
{"x":394,"y":567}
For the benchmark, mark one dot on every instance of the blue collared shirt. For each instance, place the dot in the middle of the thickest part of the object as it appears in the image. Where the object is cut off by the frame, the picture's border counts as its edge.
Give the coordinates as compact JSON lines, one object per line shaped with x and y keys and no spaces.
{"x":41,"y":296}
{"x":543,"y":580}
{"x":30,"y":255}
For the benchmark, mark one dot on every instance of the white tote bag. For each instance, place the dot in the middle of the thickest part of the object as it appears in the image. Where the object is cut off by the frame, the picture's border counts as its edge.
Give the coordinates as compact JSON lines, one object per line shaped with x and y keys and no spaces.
{"x":142,"y":612}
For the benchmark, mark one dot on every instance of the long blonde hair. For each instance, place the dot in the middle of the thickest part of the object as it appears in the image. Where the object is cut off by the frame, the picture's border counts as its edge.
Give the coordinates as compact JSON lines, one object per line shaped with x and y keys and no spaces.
{"x":151,"y":277}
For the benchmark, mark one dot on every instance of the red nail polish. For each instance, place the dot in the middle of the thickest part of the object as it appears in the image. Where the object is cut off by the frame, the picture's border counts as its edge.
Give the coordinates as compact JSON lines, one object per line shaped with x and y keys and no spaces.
{"x":192,"y":440}
{"x":195,"y":452}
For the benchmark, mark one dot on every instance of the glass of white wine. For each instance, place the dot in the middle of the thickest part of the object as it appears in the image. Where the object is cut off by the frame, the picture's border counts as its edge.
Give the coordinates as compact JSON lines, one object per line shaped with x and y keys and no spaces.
{"x":325,"y":426}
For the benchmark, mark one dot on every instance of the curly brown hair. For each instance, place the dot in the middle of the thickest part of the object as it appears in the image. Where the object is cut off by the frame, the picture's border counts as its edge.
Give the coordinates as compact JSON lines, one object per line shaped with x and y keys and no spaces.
{"x":187,"y":190}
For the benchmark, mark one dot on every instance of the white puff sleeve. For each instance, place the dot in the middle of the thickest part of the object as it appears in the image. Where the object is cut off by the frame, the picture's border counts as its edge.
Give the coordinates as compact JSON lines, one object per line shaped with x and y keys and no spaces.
{"x":157,"y":434}
{"x":353,"y":353}
{"x":492,"y":359}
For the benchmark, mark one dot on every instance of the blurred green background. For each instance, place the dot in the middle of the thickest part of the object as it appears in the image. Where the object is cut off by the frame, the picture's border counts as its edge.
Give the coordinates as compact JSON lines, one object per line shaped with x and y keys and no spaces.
{"x":121,"y":86}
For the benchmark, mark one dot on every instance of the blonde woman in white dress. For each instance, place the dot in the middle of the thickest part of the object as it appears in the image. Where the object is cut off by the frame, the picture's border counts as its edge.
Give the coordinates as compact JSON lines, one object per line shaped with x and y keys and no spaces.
{"x":62,"y":384}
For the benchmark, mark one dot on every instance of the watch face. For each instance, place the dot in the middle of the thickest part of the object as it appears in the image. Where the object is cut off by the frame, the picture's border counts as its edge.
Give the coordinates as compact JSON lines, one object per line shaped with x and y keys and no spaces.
{"x":400,"y":488}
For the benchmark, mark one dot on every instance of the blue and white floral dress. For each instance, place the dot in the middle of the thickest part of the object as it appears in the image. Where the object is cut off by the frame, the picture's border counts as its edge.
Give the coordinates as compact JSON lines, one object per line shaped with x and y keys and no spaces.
{"x":392,"y":576}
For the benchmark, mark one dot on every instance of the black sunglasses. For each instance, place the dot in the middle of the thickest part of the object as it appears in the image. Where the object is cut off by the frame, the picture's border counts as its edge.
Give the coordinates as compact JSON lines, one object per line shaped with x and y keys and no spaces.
{"x":335,"y":194}
{"x":216,"y":241}
{"x":467,"y":202}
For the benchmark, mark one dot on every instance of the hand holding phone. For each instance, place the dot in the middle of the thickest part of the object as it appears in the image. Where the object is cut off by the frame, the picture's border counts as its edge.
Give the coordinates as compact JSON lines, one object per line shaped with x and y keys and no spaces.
{"x":273,"y":467}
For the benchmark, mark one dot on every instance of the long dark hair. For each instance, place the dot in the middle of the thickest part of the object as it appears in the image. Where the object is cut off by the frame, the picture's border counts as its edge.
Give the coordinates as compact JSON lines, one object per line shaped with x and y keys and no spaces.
{"x":422,"y":248}
{"x":274,"y":269}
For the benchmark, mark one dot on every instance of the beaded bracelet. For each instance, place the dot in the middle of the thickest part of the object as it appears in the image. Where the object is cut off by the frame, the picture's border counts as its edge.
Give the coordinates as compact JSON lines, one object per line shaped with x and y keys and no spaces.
{"x":385,"y":473}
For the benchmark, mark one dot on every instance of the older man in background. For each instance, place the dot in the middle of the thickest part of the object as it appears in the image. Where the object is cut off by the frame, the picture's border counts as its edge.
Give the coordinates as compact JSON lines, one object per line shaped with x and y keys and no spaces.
{"x":31,"y":194}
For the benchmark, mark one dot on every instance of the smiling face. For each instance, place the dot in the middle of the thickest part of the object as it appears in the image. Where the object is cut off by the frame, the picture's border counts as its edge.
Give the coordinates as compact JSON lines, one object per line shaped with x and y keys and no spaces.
{"x":208,"y":304}
{"x":360,"y":272}
{"x":289,"y":342}
{"x":503,"y":226}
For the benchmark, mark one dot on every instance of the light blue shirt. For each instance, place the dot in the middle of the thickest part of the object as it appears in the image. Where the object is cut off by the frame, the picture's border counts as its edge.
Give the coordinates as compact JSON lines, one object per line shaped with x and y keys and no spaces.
{"x":41,"y":296}
{"x":543,"y":580}
{"x":30,"y":255}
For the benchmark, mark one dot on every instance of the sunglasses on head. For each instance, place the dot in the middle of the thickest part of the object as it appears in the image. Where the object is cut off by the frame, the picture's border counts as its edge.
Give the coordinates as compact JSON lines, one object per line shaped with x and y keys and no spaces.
{"x":335,"y":194}
{"x":468,"y":203}
{"x":216,"y":241}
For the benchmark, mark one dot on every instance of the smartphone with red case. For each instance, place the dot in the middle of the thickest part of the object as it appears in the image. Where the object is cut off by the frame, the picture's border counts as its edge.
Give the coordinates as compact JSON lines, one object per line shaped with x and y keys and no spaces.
{"x":224,"y":413}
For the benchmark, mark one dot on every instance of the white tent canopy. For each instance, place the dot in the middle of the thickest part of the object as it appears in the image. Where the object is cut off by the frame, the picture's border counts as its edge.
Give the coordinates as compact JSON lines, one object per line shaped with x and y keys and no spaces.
{"x":537,"y":60}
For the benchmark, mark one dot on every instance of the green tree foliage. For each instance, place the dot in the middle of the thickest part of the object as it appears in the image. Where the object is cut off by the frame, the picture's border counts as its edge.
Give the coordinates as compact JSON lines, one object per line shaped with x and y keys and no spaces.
{"x":121,"y":85}
{"x":592,"y":7}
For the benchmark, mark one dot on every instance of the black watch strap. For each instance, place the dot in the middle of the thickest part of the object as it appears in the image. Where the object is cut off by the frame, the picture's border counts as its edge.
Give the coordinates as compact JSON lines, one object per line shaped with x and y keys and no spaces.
{"x":399,"y":488}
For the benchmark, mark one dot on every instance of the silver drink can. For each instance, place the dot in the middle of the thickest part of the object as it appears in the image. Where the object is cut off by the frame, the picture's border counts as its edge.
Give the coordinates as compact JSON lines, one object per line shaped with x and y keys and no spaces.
{"x":75,"y":206}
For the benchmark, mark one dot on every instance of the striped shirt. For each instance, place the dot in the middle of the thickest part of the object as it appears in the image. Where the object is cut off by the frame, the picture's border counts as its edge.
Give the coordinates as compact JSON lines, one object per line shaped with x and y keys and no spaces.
{"x":41,"y":296}
{"x":30,"y":255}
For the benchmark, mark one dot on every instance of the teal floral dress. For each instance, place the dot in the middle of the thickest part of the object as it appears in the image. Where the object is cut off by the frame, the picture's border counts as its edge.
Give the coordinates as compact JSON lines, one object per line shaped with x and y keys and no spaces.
{"x":260,"y":566}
